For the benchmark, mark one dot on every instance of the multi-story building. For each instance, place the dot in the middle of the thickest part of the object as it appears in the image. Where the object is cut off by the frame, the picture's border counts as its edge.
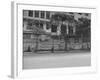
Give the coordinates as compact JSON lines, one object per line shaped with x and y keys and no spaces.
{"x":35,"y":21}
{"x":42,"y":20}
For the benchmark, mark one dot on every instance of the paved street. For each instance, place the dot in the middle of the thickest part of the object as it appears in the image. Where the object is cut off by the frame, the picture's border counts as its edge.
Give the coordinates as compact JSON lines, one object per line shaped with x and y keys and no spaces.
{"x":53,"y":60}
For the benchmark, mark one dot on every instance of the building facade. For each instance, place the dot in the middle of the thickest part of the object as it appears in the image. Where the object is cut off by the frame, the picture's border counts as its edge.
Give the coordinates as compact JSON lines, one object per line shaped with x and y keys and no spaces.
{"x":42,"y":19}
{"x":41,"y":22}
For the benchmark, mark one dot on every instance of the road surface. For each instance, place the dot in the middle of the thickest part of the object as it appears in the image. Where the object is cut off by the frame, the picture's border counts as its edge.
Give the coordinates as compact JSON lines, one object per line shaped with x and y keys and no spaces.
{"x":54,"y":60}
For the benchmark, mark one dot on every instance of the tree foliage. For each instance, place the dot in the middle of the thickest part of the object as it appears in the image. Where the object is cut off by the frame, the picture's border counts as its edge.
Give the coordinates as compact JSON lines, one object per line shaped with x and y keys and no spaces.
{"x":83,"y":27}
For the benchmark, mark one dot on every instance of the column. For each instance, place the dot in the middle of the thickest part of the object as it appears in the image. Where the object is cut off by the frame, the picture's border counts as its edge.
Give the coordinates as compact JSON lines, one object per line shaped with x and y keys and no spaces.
{"x":45,"y":15}
{"x":74,"y":29}
{"x":59,"y":29}
{"x":67,"y":30}
{"x":33,"y":14}
{"x":44,"y":26}
{"x":39,"y":14}
{"x":25,"y":25}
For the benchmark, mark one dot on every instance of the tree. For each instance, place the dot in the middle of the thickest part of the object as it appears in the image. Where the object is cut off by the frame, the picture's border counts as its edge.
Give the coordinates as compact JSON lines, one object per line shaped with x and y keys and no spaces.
{"x":83,"y":27}
{"x":60,"y":18}
{"x":36,"y":30}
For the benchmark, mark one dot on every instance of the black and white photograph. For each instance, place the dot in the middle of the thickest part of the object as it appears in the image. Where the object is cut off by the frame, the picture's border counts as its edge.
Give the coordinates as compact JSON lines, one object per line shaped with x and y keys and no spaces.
{"x":54,"y":39}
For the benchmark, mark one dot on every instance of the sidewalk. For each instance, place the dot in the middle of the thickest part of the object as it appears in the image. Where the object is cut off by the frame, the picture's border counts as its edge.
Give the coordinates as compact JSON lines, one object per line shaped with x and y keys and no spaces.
{"x":40,"y":53}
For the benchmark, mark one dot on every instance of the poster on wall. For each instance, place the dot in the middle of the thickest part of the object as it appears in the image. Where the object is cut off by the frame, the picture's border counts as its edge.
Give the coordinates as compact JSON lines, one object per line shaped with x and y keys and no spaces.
{"x":52,"y":38}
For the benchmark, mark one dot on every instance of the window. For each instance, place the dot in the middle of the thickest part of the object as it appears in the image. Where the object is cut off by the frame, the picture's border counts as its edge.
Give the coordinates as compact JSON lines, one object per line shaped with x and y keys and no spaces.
{"x":30,"y":13}
{"x":47,"y":15}
{"x":36,"y":13}
{"x":41,"y":25}
{"x":42,"y":14}
{"x":25,"y":12}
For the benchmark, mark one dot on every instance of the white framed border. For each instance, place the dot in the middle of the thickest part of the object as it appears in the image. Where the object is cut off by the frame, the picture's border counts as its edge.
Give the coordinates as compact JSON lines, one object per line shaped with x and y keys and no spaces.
{"x":17,"y":53}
